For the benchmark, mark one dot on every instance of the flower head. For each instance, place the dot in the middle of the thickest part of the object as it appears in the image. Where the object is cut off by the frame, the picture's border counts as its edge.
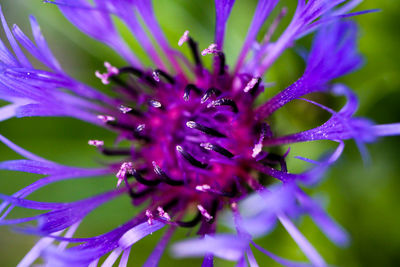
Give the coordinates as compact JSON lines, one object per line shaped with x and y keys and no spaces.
{"x":199,"y":144}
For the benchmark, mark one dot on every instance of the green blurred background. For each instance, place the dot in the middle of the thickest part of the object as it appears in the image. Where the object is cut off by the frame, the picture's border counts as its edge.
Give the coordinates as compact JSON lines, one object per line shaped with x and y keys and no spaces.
{"x":363,"y":198}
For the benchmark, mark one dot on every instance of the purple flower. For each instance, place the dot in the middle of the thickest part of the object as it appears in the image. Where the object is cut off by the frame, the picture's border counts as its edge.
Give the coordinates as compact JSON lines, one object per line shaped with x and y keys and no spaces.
{"x":199,"y":142}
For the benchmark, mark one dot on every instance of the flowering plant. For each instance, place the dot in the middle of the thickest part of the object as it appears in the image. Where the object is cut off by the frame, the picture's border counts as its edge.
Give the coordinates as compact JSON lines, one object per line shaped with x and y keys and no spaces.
{"x":199,"y":142}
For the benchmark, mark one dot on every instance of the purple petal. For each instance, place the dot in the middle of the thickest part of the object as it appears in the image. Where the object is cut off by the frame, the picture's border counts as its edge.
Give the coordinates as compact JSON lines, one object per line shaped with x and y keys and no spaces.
{"x":36,"y":251}
{"x":112,"y":258}
{"x":280,"y":260}
{"x":386,"y":129}
{"x":331,"y":229}
{"x":222,"y":9}
{"x":124,"y":259}
{"x":8,"y":111}
{"x":155,"y":256}
{"x":77,"y":174}
{"x":97,"y":24}
{"x":43,"y":47}
{"x":92,"y":248}
{"x":229,"y":247}
{"x":126,"y":12}
{"x":39,"y":167}
{"x":308,"y":250}
{"x":22,"y":151}
{"x":251,"y":258}
{"x":138,"y":232}
{"x":208,"y":260}
{"x":18,"y":52}
{"x":146,"y":11}
{"x":263,"y":9}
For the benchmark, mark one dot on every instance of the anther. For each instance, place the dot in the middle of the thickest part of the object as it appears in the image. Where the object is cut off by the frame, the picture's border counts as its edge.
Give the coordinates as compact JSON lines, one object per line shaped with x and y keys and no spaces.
{"x":157,"y":73}
{"x":184,"y":38}
{"x":154,"y":103}
{"x":129,"y":110}
{"x":164,"y":176}
{"x":124,"y":109}
{"x":111,"y":70}
{"x":125,"y":168}
{"x":156,"y":76}
{"x":96,"y":143}
{"x":190,"y":158}
{"x":163,"y":214}
{"x":140,"y":127}
{"x":211,"y":49}
{"x":217,"y":148}
{"x":189,"y":88}
{"x":265,"y":133}
{"x":203,"y":188}
{"x":224,"y":102}
{"x":209,"y":92}
{"x":105,"y":118}
{"x":149,"y":216}
{"x":252,"y":85}
{"x":257,"y":149}
{"x":204,"y":129}
{"x":204,"y":213}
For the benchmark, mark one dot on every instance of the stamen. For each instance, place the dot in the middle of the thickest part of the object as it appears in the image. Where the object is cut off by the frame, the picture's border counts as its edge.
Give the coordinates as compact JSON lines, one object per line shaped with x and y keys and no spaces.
{"x":96,"y":143}
{"x":163,"y":214}
{"x":209,"y":92}
{"x":224,"y":102}
{"x":252,"y":84}
{"x":190,"y":158}
{"x":190,"y":223}
{"x":149,"y":216}
{"x":111,"y":70}
{"x":204,"y":129}
{"x":188,"y":88}
{"x":115,"y":151}
{"x":105,"y":118}
{"x":211,"y":49}
{"x":141,"y":180}
{"x":195,"y":52}
{"x":142,"y":193}
{"x":125,"y":168}
{"x":164,"y":176}
{"x":204,"y":212}
{"x":221,"y":57}
{"x":120,"y":125}
{"x":184,"y":38}
{"x":217,"y":148}
{"x":131,"y":70}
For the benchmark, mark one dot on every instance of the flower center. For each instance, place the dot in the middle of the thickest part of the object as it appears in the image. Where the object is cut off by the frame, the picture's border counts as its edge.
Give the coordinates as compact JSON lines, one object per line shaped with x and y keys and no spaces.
{"x":197,"y":138}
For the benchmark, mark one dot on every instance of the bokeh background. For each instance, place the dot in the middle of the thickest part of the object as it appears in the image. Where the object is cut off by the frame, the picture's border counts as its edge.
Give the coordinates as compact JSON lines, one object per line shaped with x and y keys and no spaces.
{"x":364,"y":198}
